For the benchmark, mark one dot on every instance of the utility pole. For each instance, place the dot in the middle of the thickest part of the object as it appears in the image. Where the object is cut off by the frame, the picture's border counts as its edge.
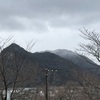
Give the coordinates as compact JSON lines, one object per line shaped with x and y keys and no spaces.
{"x":46,"y":82}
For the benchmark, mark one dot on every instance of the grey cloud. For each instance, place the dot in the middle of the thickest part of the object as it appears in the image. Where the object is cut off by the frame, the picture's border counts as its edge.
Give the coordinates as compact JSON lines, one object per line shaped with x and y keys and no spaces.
{"x":39,"y":26}
{"x":11,"y":24}
{"x":32,"y":8}
{"x":51,"y":11}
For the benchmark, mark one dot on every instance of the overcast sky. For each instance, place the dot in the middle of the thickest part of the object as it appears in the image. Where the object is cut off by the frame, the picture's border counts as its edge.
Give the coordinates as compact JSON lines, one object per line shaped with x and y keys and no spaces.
{"x":52,"y":24}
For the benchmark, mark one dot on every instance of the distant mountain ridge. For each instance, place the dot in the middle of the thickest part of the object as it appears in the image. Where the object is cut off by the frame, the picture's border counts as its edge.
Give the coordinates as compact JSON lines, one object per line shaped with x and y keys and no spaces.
{"x":63,"y":61}
{"x":64,"y":52}
{"x":75,"y":58}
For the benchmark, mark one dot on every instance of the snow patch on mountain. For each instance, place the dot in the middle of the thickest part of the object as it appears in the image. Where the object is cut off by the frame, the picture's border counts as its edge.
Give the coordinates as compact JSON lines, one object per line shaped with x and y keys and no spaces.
{"x":65,"y":53}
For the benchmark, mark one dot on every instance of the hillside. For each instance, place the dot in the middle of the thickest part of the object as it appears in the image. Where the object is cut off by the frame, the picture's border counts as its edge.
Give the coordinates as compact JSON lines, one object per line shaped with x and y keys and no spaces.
{"x":79,"y":60}
{"x":35,"y":64}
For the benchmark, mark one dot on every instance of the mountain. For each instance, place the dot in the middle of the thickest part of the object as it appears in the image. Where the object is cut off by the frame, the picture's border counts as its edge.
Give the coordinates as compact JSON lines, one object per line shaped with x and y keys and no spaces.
{"x":79,"y":60}
{"x":33,"y":65}
{"x":64,"y":53}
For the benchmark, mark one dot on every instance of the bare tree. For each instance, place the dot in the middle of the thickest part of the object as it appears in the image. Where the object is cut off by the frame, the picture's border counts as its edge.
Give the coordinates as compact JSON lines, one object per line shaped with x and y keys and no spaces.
{"x":90,"y":82}
{"x":16,"y":72}
{"x":93,"y":45}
